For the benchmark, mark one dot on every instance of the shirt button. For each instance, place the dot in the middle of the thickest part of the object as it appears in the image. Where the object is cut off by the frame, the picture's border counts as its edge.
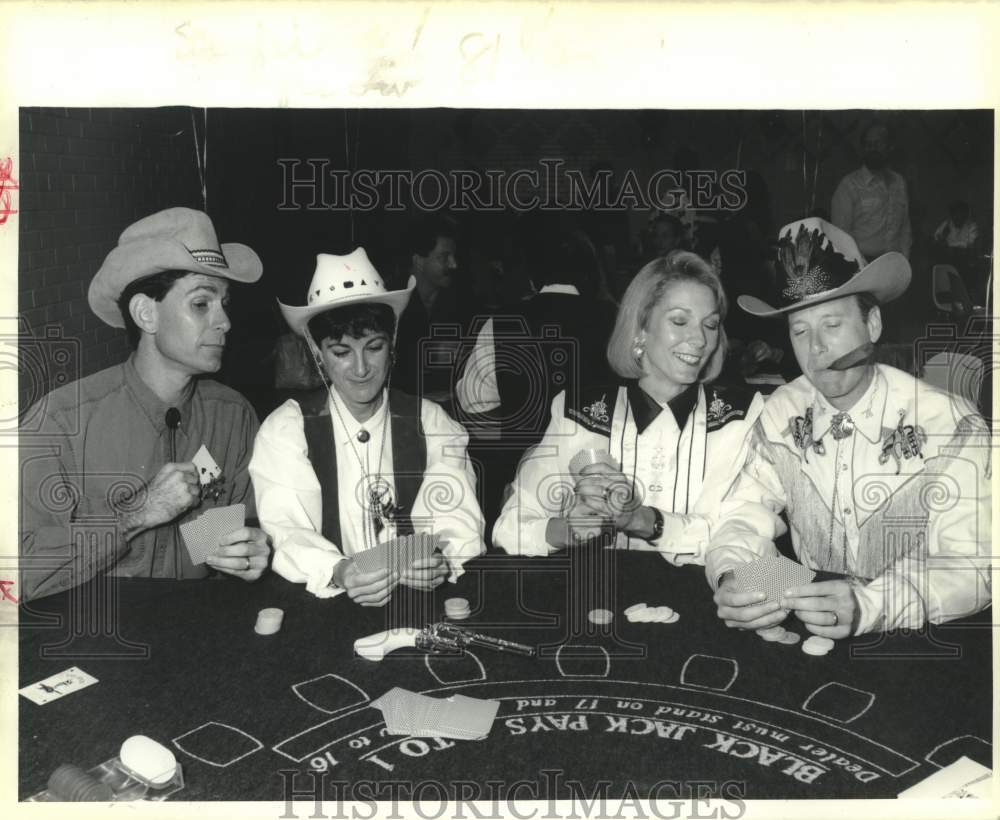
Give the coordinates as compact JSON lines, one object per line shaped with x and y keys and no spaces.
{"x":844,"y":468}
{"x":847,"y":510}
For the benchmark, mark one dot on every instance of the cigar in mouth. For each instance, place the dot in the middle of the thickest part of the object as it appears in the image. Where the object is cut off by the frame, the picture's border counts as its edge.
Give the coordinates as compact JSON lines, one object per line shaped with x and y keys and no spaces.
{"x":859,"y":356}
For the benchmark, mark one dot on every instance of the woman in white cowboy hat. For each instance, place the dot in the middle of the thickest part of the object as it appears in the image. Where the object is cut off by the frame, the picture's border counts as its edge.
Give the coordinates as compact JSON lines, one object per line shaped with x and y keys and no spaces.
{"x":359,"y":463}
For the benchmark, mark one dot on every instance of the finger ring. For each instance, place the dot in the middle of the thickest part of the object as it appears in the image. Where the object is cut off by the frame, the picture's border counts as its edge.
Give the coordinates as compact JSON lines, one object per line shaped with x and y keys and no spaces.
{"x":836,"y":618}
{"x":247,"y":567}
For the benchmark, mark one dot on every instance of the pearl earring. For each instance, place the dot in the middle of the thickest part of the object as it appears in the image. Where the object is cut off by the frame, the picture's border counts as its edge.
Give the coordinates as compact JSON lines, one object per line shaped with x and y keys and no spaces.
{"x":638,"y":349}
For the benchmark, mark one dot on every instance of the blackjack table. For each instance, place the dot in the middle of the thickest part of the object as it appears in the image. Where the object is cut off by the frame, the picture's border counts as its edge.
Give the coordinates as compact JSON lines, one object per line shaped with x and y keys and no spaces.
{"x":649,"y":710}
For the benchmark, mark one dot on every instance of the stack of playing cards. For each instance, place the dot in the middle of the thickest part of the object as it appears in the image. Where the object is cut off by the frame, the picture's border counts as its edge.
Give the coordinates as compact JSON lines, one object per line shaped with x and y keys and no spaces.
{"x":202,"y":534}
{"x":458,"y":717}
{"x":771,"y":575}
{"x":396,"y":554}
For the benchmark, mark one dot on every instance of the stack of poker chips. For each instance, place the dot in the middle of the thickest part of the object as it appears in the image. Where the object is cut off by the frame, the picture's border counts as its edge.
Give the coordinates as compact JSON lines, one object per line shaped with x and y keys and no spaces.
{"x":640,"y":613}
{"x":457,"y":609}
{"x":72,"y":784}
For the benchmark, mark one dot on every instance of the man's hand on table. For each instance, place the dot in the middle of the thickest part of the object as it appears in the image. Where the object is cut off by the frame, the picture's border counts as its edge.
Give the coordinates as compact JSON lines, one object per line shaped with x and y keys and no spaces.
{"x":746,"y":610}
{"x":244,"y":553}
{"x":827,"y":608}
{"x":365,"y":588}
{"x":426,"y":573}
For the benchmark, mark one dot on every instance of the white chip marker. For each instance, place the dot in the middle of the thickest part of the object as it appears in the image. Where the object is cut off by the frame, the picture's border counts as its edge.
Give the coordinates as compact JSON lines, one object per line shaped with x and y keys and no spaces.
{"x":269,"y":621}
{"x":812,"y":647}
{"x":600,"y":616}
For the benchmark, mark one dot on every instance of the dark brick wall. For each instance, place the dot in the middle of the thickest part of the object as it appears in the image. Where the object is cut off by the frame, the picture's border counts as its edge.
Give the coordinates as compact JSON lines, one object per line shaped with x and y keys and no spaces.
{"x":85,"y":175}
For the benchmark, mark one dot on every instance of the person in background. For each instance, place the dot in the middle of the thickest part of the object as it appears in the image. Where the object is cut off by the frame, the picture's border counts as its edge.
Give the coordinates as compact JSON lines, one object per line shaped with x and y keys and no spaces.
{"x":958,"y":230}
{"x":118,"y":446}
{"x":884,"y":480}
{"x":871,"y":203}
{"x":675,"y":440}
{"x":425,"y":367}
{"x":358,"y":463}
{"x":532,"y":349}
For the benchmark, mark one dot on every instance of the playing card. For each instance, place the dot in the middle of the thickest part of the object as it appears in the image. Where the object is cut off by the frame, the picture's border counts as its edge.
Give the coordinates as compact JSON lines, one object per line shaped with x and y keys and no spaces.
{"x":772,"y":575}
{"x":54,"y":687}
{"x":202,"y":534}
{"x":396,"y":554}
{"x":467,"y":718}
{"x":206,"y":466}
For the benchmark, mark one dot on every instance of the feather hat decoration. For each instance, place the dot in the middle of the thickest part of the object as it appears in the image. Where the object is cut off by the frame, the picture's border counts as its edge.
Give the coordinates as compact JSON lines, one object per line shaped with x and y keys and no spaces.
{"x":820,"y":262}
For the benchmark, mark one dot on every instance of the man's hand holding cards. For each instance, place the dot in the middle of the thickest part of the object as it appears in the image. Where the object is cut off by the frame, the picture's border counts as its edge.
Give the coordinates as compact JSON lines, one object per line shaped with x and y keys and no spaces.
{"x":749,"y":596}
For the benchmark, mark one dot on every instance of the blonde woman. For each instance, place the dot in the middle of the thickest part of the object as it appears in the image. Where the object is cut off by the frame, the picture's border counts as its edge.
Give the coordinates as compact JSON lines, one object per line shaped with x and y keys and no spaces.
{"x":660,"y":446}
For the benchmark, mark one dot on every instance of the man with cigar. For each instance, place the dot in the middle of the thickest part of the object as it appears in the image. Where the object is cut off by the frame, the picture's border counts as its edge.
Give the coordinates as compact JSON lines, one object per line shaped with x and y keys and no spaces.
{"x":109,"y":473}
{"x":884,"y":480}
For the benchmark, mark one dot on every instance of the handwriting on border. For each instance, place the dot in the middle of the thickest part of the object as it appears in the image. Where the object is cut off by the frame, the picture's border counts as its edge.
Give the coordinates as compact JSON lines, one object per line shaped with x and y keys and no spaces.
{"x":7,"y":186}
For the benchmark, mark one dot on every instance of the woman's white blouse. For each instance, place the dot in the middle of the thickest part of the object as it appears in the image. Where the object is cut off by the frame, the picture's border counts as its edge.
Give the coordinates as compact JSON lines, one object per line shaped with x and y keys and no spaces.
{"x":684,"y":473}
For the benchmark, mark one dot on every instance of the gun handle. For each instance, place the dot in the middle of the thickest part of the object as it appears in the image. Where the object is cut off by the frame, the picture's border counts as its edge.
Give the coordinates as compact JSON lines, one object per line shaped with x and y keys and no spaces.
{"x":377,"y":646}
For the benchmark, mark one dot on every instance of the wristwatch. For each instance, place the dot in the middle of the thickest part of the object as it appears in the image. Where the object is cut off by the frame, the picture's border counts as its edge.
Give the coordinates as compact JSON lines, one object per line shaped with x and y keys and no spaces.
{"x":657,"y":526}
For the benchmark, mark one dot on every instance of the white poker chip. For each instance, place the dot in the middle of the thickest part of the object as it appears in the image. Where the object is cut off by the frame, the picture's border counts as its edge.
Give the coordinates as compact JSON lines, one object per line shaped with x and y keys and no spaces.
{"x":269,"y":621}
{"x":600,"y":616}
{"x":457,"y":609}
{"x":662,"y":613}
{"x":790,"y":638}
{"x":819,"y":640}
{"x":634,"y":608}
{"x":674,"y":618}
{"x":643,"y":616}
{"x":812,"y":647}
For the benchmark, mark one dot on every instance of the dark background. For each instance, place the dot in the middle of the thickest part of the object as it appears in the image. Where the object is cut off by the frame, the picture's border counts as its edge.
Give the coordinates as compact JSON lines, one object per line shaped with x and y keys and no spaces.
{"x":86,"y":174}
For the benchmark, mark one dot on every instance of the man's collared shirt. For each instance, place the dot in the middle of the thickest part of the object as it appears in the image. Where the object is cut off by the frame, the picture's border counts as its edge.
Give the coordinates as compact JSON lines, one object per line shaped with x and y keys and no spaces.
{"x":901,"y":502}
{"x":875,"y":213}
{"x":99,"y":442}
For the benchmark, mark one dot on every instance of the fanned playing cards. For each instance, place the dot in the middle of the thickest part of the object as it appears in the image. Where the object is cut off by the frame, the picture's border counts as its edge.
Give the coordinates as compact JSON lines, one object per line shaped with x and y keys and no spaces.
{"x":396,"y":554}
{"x":457,"y":717}
{"x":202,"y":534}
{"x":771,"y":575}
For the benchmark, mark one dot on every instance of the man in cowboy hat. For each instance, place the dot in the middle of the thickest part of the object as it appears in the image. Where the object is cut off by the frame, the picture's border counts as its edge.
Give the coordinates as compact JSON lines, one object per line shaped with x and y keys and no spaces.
{"x":360,"y":463}
{"x":885,"y":481}
{"x":115,"y":452}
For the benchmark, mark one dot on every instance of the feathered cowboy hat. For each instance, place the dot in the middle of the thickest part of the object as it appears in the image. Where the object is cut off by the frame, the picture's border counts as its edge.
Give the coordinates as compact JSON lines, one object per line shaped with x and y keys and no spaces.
{"x":174,"y":239}
{"x":340,"y":281}
{"x":820,"y":262}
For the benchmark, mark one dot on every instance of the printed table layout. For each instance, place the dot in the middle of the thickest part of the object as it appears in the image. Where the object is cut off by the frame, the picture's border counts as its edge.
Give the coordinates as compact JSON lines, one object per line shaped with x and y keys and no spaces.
{"x":635,"y":709}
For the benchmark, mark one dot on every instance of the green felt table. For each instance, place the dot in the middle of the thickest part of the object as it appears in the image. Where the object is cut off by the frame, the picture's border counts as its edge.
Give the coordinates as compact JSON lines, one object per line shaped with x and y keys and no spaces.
{"x":651,"y":710}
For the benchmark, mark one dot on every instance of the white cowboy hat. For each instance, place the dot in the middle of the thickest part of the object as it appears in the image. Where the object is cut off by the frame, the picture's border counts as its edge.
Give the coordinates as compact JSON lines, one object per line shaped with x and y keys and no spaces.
{"x":174,"y":239}
{"x":821,"y":262}
{"x":340,"y":281}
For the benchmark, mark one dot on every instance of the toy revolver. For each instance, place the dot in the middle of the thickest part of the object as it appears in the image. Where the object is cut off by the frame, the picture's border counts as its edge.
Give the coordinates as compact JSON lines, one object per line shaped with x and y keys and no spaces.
{"x":437,"y":638}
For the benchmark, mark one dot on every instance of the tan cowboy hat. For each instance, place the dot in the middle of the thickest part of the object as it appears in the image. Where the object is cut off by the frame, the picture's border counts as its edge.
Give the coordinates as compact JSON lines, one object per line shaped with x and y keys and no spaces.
{"x":174,"y":239}
{"x":340,"y":281}
{"x":821,"y":262}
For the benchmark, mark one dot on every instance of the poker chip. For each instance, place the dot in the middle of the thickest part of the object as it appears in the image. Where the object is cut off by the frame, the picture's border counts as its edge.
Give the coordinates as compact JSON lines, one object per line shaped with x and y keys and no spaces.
{"x":790,"y":638}
{"x":817,"y":646}
{"x":72,"y":784}
{"x":600,"y":616}
{"x":457,"y":609}
{"x":643,"y":614}
{"x":269,"y":621}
